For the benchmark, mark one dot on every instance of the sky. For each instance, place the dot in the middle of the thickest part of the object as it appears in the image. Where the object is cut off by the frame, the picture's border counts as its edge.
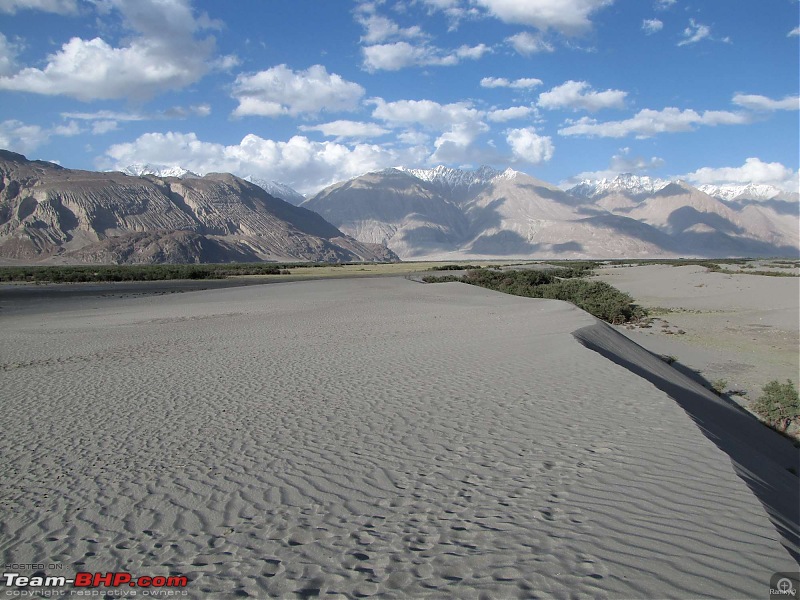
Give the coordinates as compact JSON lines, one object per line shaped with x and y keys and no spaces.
{"x":311,"y":92}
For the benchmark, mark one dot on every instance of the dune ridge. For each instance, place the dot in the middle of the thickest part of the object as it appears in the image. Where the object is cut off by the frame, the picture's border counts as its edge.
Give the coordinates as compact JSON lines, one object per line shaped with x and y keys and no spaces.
{"x":363,"y":437}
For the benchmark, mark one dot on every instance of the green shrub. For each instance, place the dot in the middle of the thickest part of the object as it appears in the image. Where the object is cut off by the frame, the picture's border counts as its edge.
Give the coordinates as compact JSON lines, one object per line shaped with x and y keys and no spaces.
{"x":779,"y":405}
{"x":595,"y":297}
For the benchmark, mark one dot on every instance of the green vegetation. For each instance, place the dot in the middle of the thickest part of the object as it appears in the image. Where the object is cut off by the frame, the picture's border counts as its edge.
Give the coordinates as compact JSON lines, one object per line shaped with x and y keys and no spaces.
{"x":85,"y":273}
{"x":454,"y":267}
{"x":779,"y":406}
{"x":718,"y":386}
{"x":595,"y":297}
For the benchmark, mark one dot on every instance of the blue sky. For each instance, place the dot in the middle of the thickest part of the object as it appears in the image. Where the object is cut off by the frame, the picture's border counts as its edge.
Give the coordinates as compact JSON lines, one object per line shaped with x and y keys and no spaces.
{"x":309,"y":92}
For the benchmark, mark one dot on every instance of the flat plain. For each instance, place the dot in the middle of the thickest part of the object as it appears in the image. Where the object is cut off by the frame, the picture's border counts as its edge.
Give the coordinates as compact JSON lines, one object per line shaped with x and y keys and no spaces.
{"x":379,"y":437}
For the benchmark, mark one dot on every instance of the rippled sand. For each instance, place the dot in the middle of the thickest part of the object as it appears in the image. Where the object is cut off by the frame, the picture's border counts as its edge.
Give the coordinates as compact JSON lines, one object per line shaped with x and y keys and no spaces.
{"x":370,"y":438}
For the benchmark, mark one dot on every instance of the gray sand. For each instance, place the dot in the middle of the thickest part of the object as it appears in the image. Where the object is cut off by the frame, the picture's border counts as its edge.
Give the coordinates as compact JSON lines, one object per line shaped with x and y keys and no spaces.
{"x":365,"y":437}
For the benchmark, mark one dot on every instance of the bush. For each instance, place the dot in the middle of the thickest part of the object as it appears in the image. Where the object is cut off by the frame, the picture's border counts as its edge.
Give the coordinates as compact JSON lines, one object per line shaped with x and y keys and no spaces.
{"x":779,"y":405}
{"x":595,"y":297}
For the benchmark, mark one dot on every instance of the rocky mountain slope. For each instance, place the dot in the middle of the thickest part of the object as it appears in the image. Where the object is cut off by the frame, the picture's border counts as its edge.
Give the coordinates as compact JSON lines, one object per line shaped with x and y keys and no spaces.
{"x":61,"y":215}
{"x":449,"y":213}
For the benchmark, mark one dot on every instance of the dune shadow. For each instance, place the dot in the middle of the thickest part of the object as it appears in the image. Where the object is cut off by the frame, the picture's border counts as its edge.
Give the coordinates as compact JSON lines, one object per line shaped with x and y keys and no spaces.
{"x":761,"y":457}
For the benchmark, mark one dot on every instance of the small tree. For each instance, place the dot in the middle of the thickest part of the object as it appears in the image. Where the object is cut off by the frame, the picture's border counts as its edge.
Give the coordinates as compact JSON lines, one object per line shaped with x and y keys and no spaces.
{"x":779,"y":405}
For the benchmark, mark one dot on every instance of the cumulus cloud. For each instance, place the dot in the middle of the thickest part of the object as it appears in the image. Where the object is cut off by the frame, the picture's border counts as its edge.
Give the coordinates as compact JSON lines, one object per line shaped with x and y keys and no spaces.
{"x":500,"y":115}
{"x":648,"y":122}
{"x":458,"y":124}
{"x":63,"y":7}
{"x":526,"y":43}
{"x":379,"y":28}
{"x":754,"y":170}
{"x":793,"y":32}
{"x":651,"y":26}
{"x":622,"y":162}
{"x":281,"y":91}
{"x":347,"y":129}
{"x":8,"y":54}
{"x":694,"y":33}
{"x":305,"y":165}
{"x":400,"y":55}
{"x":528,"y":146}
{"x":23,"y":138}
{"x":665,"y":4}
{"x":102,"y":127}
{"x":577,"y":95}
{"x":499,"y":82}
{"x":565,"y":16}
{"x":756,"y":102}
{"x":163,"y":54}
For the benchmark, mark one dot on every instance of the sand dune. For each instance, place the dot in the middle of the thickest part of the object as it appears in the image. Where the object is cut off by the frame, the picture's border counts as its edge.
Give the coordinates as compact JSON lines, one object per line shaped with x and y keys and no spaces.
{"x":372,"y":437}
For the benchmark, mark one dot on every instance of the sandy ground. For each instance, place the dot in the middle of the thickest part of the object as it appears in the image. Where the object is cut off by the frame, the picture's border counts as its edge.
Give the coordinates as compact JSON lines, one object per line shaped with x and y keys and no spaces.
{"x":378,"y":437}
{"x":744,"y":329}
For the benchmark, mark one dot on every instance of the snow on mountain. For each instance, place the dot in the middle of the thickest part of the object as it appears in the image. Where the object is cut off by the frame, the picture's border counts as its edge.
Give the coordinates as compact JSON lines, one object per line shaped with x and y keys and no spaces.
{"x":635,"y":186}
{"x":749,"y":191}
{"x":139,"y":169}
{"x":273,"y":188}
{"x":277,"y":189}
{"x":456,"y":182}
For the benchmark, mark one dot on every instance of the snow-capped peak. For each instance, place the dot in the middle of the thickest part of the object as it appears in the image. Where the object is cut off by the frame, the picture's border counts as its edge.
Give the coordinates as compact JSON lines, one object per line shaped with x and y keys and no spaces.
{"x":277,"y":190}
{"x":453,"y":179}
{"x":741,"y":191}
{"x":139,"y":169}
{"x":625,"y":183}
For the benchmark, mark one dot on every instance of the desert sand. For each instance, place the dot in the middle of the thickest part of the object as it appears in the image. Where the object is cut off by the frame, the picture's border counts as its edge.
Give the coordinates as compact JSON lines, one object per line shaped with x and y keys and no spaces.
{"x":742,"y":329}
{"x":379,"y":437}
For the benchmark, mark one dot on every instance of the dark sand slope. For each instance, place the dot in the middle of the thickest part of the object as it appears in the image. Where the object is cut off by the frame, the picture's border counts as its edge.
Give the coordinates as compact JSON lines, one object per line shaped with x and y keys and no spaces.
{"x":371,"y":437}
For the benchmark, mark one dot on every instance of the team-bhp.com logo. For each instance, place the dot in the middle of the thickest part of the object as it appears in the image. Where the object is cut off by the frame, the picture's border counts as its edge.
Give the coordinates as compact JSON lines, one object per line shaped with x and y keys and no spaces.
{"x":94,"y":580}
{"x":784,"y":585}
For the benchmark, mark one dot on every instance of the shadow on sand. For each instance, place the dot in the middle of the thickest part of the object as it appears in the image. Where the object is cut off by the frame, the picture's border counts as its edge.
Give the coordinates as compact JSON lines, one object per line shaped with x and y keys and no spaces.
{"x":761,"y":457}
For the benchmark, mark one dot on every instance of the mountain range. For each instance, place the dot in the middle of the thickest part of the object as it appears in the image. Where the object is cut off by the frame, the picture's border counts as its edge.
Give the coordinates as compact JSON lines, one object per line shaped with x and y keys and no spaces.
{"x":61,"y":215}
{"x":150,"y":213}
{"x":447,"y":213}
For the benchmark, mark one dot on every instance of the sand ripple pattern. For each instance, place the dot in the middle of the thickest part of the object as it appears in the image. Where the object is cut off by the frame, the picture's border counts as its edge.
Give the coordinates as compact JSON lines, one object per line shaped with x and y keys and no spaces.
{"x":362,"y":438}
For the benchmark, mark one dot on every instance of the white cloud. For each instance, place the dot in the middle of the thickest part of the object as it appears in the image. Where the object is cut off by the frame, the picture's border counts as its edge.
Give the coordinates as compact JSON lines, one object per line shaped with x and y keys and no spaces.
{"x":8,"y":54}
{"x":694,"y":33}
{"x":435,"y":116}
{"x":619,"y":164}
{"x":502,"y":115}
{"x":665,"y":4}
{"x":400,"y":55}
{"x":380,"y":29}
{"x":577,"y":95}
{"x":526,"y":43}
{"x":651,"y":26}
{"x":63,"y":7}
{"x":101,"y":127}
{"x":648,"y":122}
{"x":281,"y":91}
{"x":566,"y":16}
{"x":305,"y":165}
{"x":164,"y":54}
{"x":497,"y":82}
{"x":528,"y":146}
{"x":458,"y":124}
{"x":795,"y":31}
{"x":175,"y":112}
{"x":347,"y":129}
{"x":756,"y":102}
{"x":23,"y":138}
{"x":754,"y":170}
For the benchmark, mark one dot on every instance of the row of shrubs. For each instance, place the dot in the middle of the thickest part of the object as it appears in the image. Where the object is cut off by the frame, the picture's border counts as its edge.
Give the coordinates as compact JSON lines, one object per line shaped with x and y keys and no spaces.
{"x":97,"y":273}
{"x":595,"y":297}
